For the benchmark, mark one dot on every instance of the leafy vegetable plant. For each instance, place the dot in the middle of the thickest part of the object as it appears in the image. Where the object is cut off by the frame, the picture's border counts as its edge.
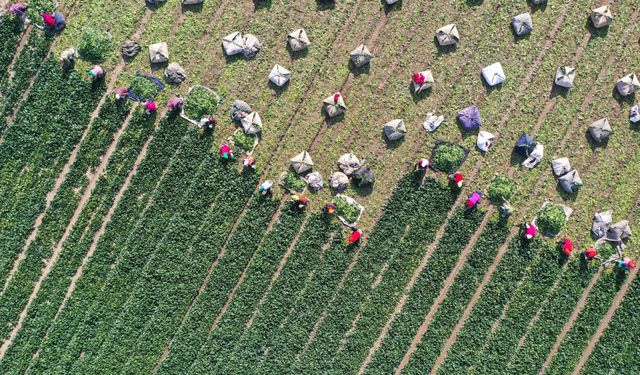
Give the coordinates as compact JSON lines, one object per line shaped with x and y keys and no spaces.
{"x":501,"y":188}
{"x":448,"y":158}
{"x":200,"y":102}
{"x":94,"y":44}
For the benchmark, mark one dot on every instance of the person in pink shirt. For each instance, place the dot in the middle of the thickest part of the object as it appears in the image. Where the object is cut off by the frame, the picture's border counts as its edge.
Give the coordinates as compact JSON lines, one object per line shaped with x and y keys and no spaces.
{"x":530,"y":231}
{"x":225,"y":152}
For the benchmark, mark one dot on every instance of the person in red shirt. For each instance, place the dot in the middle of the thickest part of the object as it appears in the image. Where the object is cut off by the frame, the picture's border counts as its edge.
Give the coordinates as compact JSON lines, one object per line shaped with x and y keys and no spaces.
{"x":590,"y":253}
{"x":48,"y":19}
{"x":567,"y":246}
{"x":457,"y":179}
{"x":354,"y":237}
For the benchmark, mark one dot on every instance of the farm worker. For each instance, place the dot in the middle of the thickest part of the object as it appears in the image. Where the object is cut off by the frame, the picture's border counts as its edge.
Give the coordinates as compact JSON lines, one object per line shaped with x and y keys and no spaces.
{"x":225,"y":152}
{"x":175,"y":103}
{"x":48,"y":19}
{"x":55,"y":22}
{"x":329,"y":209}
{"x":354,"y":237}
{"x":626,"y":264}
{"x":121,"y":93}
{"x":208,"y":122}
{"x":96,"y":72}
{"x":336,"y":97}
{"x":505,"y":209}
{"x":418,"y":78}
{"x":249,"y":162}
{"x":530,"y":231}
{"x":590,"y":253}
{"x":474,"y":199}
{"x":266,"y":187}
{"x":457,"y":179}
{"x":300,"y":200}
{"x":422,"y":164}
{"x":150,"y":106}
{"x":567,"y":246}
{"x":68,"y":58}
{"x":19,"y":9}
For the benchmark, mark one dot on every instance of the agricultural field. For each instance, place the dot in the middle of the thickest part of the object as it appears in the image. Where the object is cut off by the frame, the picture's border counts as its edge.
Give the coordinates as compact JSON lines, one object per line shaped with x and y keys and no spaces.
{"x":131,"y":241}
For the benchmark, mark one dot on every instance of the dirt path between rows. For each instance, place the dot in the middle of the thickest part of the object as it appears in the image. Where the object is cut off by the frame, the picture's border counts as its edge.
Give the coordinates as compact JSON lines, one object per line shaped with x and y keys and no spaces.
{"x":243,"y":275}
{"x":604,"y":323}
{"x":443,"y":292}
{"x":23,"y":41}
{"x":58,"y":248}
{"x":549,"y":106}
{"x":72,"y":158}
{"x":276,"y":275}
{"x":569,"y":324}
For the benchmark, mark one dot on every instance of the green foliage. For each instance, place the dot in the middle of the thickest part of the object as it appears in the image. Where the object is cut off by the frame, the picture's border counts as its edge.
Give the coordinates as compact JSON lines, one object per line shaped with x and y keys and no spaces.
{"x":394,"y":248}
{"x":348,"y":211}
{"x":606,"y":250}
{"x":45,"y":130}
{"x":448,"y":158}
{"x":501,"y":188}
{"x":291,"y":181}
{"x":551,"y":219}
{"x":27,"y":66}
{"x":94,"y":45}
{"x":143,"y":87}
{"x":619,"y":340}
{"x":243,"y":142}
{"x":200,"y":103}
{"x":518,"y":264}
{"x":10,"y":30}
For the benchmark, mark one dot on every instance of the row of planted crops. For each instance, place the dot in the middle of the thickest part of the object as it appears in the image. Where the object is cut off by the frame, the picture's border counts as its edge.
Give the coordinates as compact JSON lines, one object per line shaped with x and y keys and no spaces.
{"x":142,"y":292}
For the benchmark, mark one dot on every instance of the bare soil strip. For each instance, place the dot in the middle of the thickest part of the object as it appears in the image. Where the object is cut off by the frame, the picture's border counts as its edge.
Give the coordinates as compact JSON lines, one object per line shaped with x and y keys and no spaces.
{"x":72,"y":158}
{"x":58,"y":248}
{"x":604,"y":323}
{"x":476,"y":296}
{"x":23,"y":41}
{"x":447,"y":284}
{"x":569,"y":324}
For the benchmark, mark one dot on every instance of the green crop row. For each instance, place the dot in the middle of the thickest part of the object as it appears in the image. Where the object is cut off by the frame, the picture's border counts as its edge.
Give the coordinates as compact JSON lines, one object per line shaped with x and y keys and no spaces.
{"x":10,"y":31}
{"x":184,"y":350}
{"x":617,"y":351}
{"x":461,"y":227}
{"x":143,"y":351}
{"x":176,"y":268}
{"x":457,"y":234}
{"x":285,"y":320}
{"x":263,"y":265}
{"x":307,"y":264}
{"x":25,"y":68}
{"x":90,"y":287}
{"x":51,"y":139}
{"x":457,"y":298}
{"x":50,"y":296}
{"x":394,"y":250}
{"x":168,"y":316}
{"x":139,"y":245}
{"x":555,"y":311}
{"x":585,"y":326}
{"x":498,"y":291}
{"x":522,"y":307}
